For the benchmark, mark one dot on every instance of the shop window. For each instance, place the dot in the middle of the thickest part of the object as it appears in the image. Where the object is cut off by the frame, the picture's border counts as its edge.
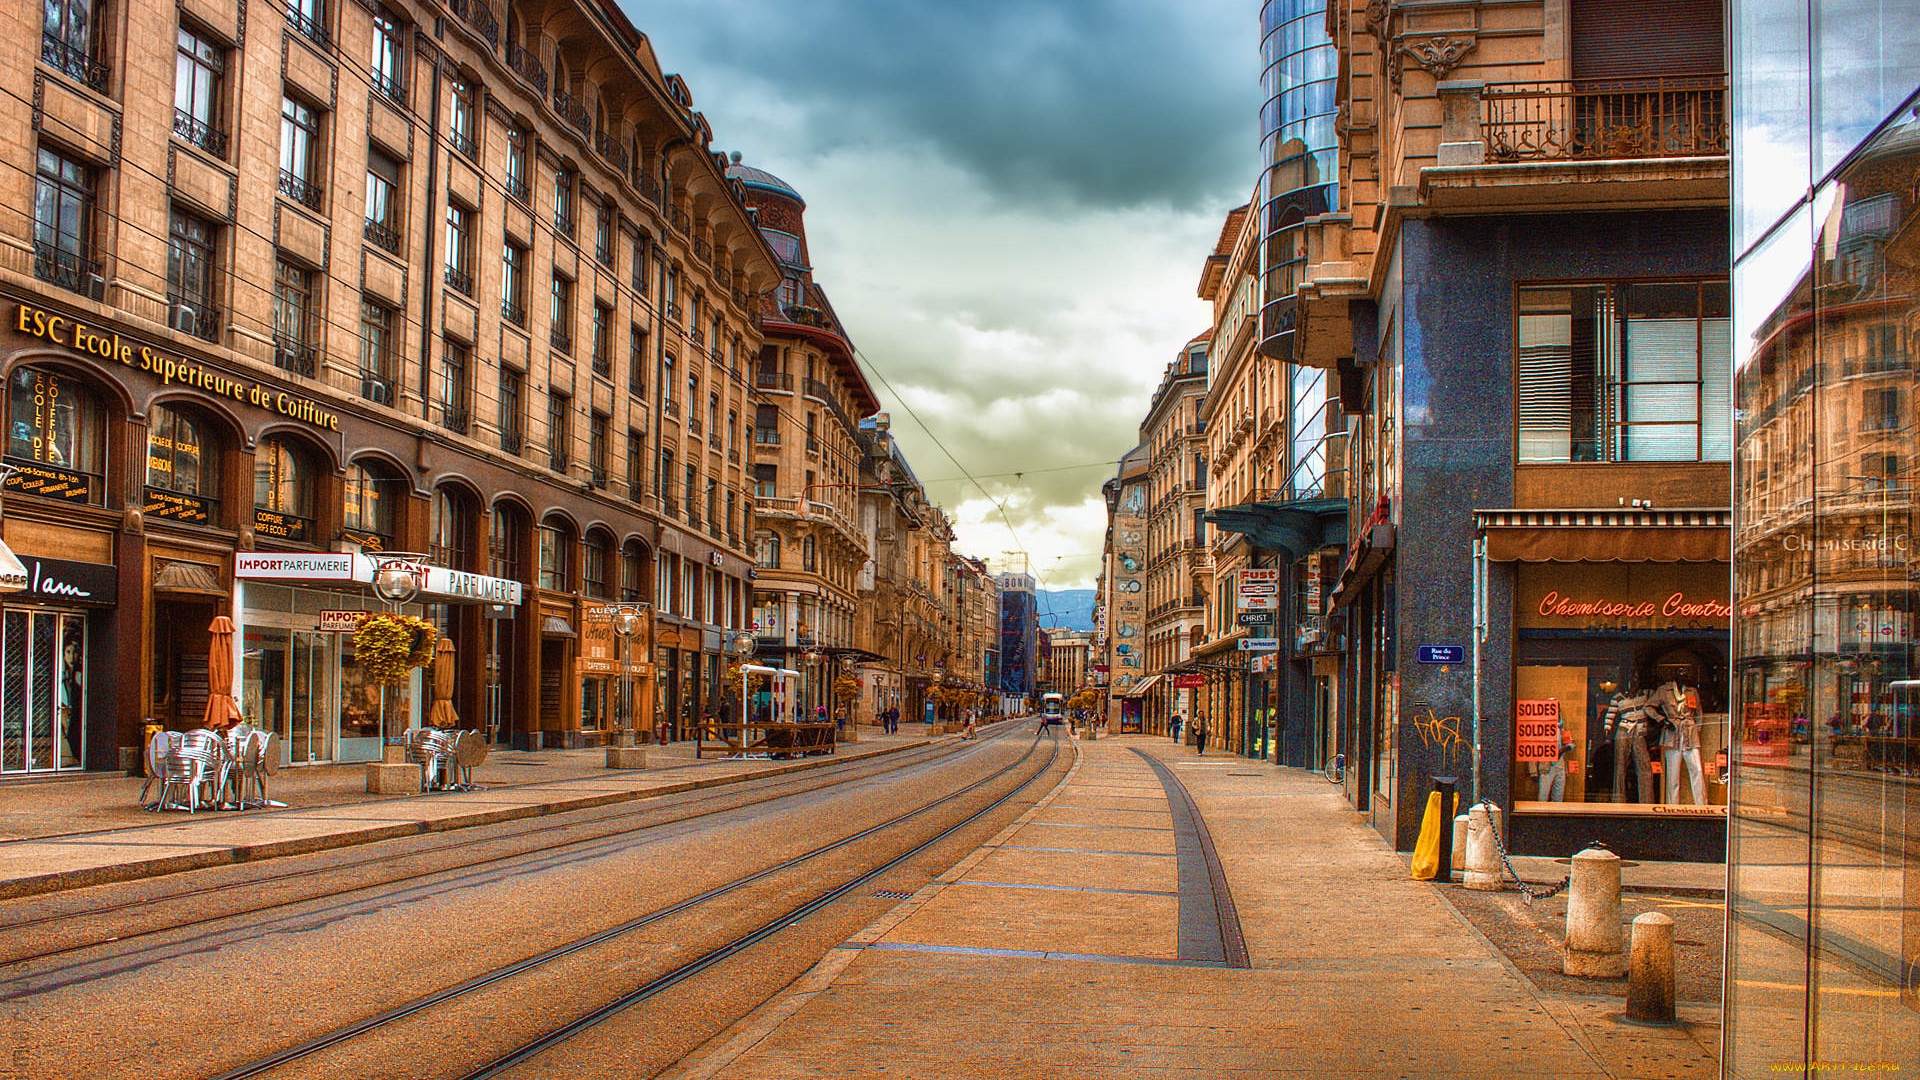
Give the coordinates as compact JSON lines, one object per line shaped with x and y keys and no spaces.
{"x":1637,"y":372}
{"x":370,"y":508}
{"x":183,"y":469}
{"x":43,"y":691}
{"x":56,"y":438}
{"x":283,"y":482}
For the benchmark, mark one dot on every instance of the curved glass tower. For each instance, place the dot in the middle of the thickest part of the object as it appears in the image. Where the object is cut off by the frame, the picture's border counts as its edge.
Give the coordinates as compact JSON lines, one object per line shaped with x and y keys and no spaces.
{"x":1298,"y":146}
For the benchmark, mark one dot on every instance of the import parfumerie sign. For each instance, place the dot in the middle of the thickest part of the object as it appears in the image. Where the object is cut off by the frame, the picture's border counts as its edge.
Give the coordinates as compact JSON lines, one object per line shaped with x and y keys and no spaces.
{"x":436,"y":584}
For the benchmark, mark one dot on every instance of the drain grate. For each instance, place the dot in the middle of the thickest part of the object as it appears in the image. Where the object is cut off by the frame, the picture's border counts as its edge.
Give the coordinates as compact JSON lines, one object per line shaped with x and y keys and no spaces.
{"x":891,"y":894}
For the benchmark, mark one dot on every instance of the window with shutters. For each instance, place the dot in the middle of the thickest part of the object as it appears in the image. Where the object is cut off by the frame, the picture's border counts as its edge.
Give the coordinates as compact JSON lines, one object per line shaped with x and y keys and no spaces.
{"x":1625,"y":372}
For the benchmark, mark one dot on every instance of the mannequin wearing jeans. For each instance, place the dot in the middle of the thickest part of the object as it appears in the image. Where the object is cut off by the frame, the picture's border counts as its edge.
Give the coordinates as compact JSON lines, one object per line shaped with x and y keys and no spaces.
{"x":1627,"y":720}
{"x":1680,"y":740}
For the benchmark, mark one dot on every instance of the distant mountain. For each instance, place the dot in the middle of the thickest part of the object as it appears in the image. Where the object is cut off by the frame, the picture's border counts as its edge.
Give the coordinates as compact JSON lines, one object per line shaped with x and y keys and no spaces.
{"x":1071,"y":609}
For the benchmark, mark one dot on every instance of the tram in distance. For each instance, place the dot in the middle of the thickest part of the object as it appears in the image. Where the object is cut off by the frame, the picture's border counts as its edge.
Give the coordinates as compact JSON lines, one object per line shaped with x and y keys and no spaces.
{"x":1052,"y":709}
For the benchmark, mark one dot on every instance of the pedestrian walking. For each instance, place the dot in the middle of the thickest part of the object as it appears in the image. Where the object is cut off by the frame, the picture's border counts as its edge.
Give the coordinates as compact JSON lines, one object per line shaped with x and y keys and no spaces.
{"x":1173,"y":727}
{"x":1200,"y":734}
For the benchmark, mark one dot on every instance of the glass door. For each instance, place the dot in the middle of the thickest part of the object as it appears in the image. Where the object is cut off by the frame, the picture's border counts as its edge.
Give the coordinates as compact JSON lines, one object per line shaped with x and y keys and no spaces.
{"x":42,"y":691}
{"x":263,"y":686}
{"x":311,"y":695}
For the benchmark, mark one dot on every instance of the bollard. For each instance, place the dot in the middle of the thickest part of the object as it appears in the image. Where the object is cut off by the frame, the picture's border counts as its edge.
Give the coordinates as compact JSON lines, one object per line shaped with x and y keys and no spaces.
{"x":1461,"y":826}
{"x":1483,"y":850}
{"x":1448,"y":802}
{"x":1594,"y":938}
{"x":1650,"y":974}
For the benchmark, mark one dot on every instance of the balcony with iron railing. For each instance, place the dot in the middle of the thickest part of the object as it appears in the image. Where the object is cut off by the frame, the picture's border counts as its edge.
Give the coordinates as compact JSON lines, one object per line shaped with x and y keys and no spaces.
{"x":514,"y":313}
{"x":459,"y":280}
{"x":462,"y":142}
{"x":573,"y":112}
{"x":773,"y":380}
{"x":560,"y":340}
{"x":527,"y":65}
{"x":200,"y":133}
{"x":382,"y":236}
{"x":611,"y":148}
{"x":1683,"y":116}
{"x":74,"y":63}
{"x":389,"y":85}
{"x":308,"y":24}
{"x":455,"y":417}
{"x":517,"y":190}
{"x":478,"y":15}
{"x":73,"y":270}
{"x":193,"y":315}
{"x":511,"y":441}
{"x":300,"y":190}
{"x":295,"y":356}
{"x":766,"y":437}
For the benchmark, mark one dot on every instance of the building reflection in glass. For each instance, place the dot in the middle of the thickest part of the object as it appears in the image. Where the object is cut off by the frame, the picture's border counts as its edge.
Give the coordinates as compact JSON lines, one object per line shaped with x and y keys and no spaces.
{"x":1824,"y":838}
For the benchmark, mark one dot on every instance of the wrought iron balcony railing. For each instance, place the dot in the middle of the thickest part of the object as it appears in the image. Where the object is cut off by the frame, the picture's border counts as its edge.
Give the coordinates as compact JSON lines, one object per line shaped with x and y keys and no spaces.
{"x":69,"y":269}
{"x":294,"y":356}
{"x":74,"y":63}
{"x":383,"y":236}
{"x":527,"y":66}
{"x":1683,"y":116}
{"x":300,"y":190}
{"x":200,"y":133}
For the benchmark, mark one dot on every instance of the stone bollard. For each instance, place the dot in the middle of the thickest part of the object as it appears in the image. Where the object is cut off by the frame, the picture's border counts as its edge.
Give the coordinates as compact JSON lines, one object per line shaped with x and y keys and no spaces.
{"x":1483,"y":849}
{"x":1594,"y":938}
{"x":1461,"y":822}
{"x":1650,"y":974}
{"x":626,"y":757}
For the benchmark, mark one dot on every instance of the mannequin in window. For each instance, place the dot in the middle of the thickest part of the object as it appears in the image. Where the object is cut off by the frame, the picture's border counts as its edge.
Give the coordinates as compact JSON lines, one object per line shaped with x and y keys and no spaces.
{"x":1552,"y":775}
{"x":1680,"y":740}
{"x":1628,"y":719}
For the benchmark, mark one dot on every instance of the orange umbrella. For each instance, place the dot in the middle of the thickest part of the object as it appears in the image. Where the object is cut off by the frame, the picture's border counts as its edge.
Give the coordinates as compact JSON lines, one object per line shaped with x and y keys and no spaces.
{"x":222,"y":710}
{"x":440,"y":714}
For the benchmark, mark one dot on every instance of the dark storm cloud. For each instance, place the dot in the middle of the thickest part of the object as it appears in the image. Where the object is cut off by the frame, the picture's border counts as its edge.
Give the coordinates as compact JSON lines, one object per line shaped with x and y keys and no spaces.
{"x":1093,"y":102}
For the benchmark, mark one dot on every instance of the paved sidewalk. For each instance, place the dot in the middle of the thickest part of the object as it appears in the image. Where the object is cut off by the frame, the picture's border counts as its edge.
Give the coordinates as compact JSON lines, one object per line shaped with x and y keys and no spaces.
{"x":70,"y":833}
{"x":1058,"y":950}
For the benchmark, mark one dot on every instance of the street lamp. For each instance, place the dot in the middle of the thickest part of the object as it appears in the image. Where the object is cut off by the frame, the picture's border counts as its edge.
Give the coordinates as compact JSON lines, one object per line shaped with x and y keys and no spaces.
{"x":743,"y":645}
{"x":626,"y":620}
{"x":395,"y":582}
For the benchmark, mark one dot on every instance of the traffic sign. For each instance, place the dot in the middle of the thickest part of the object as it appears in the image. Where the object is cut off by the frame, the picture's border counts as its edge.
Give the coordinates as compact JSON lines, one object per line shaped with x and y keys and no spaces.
{"x":1259,"y":644}
{"x":1441,"y":654}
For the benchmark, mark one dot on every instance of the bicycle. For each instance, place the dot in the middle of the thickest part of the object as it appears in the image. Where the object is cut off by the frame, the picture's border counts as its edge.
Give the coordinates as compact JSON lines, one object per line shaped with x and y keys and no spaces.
{"x":1336,"y":770}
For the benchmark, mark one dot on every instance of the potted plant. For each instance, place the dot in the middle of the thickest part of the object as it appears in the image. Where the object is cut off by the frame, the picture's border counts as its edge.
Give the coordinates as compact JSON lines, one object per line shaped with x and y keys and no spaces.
{"x":388,"y":647}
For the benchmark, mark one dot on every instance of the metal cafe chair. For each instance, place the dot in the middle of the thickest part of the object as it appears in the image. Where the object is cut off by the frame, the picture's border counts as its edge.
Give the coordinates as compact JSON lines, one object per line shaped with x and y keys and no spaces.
{"x":192,"y":769}
{"x":158,"y":747}
{"x":251,"y":759}
{"x":433,"y":750}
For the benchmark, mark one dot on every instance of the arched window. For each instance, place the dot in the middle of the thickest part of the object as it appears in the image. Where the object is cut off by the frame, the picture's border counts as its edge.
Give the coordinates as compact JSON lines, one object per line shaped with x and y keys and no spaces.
{"x":504,"y":539}
{"x":183,"y":468}
{"x":451,"y":529}
{"x":598,"y":552}
{"x":282,"y":491}
{"x":56,"y":438}
{"x":556,"y":555}
{"x":371,"y":507}
{"x":769,"y":551}
{"x":633,"y":571}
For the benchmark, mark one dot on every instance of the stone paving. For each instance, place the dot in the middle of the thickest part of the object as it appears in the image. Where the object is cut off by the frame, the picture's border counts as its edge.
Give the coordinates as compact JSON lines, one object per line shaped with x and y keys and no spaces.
{"x":1052,"y":952}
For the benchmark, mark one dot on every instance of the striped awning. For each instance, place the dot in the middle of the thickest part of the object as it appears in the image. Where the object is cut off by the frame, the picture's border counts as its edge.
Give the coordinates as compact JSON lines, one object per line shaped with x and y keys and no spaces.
{"x":1691,"y":534}
{"x":1140,"y":687}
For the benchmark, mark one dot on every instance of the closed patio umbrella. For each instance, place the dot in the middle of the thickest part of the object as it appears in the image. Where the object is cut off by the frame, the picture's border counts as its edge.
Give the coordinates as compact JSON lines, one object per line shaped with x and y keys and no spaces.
{"x":440,"y":714}
{"x":222,"y":710}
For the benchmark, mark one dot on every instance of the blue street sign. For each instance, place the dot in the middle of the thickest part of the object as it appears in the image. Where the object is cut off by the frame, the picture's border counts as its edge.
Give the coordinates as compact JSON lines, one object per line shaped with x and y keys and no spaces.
{"x":1442,"y":654}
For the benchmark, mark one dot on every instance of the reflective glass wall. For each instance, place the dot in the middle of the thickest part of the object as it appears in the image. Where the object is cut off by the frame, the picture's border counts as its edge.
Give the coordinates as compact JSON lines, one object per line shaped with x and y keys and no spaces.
{"x":1823,"y":932}
{"x":1300,"y":151}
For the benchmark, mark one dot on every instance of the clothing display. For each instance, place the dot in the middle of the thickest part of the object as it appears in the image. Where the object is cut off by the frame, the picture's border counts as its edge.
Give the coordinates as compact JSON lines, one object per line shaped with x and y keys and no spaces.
{"x":1680,"y":741}
{"x":1629,"y":719}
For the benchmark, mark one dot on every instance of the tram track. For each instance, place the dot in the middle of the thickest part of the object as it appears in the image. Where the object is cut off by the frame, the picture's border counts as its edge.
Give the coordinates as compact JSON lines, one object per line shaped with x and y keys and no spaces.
{"x":425,"y":1013}
{"x":189,"y":906}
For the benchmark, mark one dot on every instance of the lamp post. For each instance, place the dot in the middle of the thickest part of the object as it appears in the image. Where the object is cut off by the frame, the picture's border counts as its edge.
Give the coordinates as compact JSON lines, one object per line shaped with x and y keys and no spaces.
{"x":626,"y":619}
{"x":743,"y":646}
{"x":395,"y":582}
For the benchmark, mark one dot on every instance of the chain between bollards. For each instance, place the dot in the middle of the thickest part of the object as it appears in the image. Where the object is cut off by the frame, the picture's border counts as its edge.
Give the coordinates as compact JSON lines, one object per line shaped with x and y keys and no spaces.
{"x":1517,"y":884}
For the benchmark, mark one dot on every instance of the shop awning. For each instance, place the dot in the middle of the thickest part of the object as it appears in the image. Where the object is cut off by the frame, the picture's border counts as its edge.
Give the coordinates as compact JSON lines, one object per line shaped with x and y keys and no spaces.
{"x":188,"y":578}
{"x":1292,"y":527}
{"x":1623,"y":535}
{"x":1139,"y":688}
{"x":13,"y":573}
{"x":555,"y":626}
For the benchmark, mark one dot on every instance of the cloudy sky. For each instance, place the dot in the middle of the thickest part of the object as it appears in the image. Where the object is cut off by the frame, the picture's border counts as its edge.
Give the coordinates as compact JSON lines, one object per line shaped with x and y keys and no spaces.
{"x":1008,"y":202}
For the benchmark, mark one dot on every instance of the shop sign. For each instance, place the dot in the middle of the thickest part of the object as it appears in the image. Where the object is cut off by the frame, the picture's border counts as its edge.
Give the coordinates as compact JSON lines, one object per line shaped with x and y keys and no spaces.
{"x":60,"y":581}
{"x":1189,"y":682}
{"x":1254,"y":618}
{"x":177,"y":506}
{"x":1258,"y":590}
{"x":340,"y":622}
{"x":1264,"y":663}
{"x":1258,"y":644}
{"x":320,"y":566}
{"x":110,"y":346}
{"x":1676,"y":605}
{"x":49,"y":481}
{"x":368,"y":541}
{"x":277,"y":526}
{"x":1536,"y":731}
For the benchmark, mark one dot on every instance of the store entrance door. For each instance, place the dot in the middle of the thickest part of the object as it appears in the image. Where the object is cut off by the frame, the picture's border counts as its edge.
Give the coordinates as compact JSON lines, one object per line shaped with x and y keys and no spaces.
{"x":288,"y":687}
{"x":43,"y":691}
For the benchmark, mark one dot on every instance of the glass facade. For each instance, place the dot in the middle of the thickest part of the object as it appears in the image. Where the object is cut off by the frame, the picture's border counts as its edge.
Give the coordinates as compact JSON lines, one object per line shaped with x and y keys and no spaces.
{"x":1300,"y":151}
{"x":1823,"y":937}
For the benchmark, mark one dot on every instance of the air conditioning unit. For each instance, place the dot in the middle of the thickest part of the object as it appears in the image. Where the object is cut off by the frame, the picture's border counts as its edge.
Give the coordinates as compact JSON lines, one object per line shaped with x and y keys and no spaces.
{"x":95,"y":286}
{"x":185,"y":319}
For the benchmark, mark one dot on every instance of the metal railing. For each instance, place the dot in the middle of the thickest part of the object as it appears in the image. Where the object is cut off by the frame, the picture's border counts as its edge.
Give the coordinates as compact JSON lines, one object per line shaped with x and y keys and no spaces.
{"x":463,"y":142}
{"x":295,"y":356}
{"x":389,"y":86}
{"x":477,"y":14}
{"x":382,"y":236}
{"x":74,"y":63}
{"x":517,"y":190}
{"x":454,"y":418}
{"x":572,"y":111}
{"x":193,"y":315}
{"x":200,"y":133}
{"x":308,"y":25}
{"x":611,"y":149}
{"x":560,"y":340}
{"x":459,"y":279}
{"x":773,"y":380}
{"x":1684,"y":116}
{"x":513,"y":313}
{"x":300,"y":190}
{"x":69,"y":269}
{"x":527,"y":66}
